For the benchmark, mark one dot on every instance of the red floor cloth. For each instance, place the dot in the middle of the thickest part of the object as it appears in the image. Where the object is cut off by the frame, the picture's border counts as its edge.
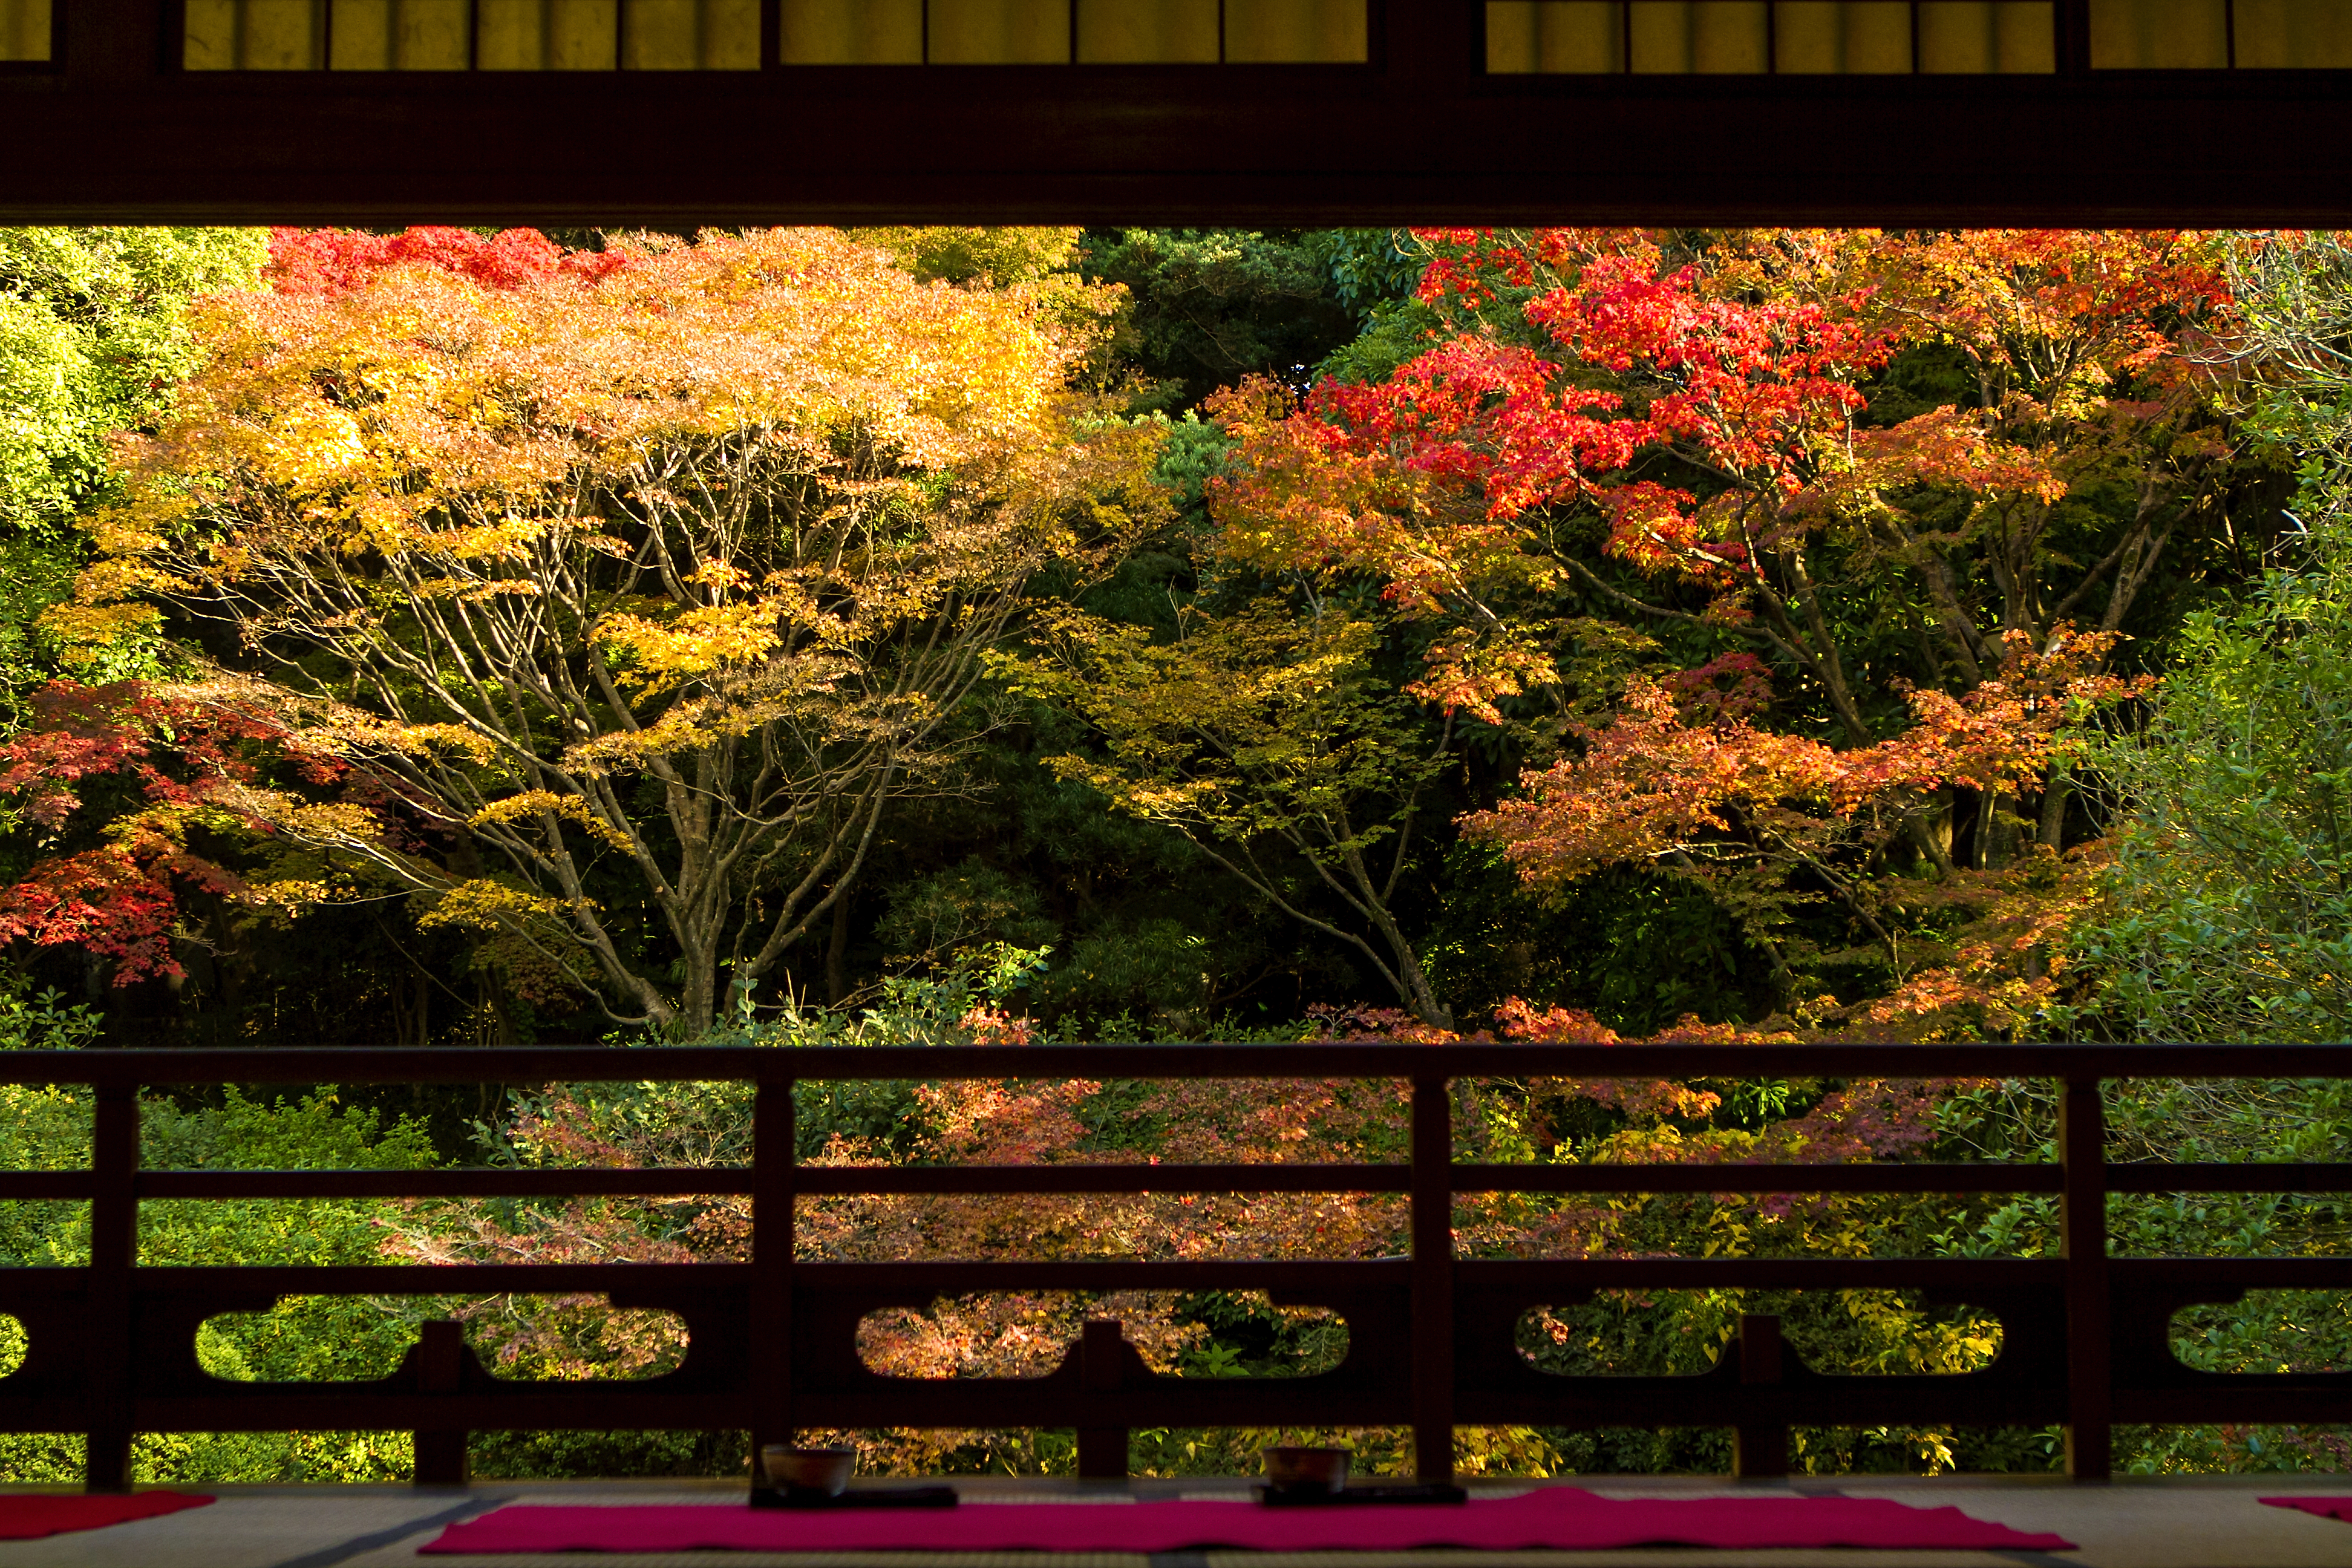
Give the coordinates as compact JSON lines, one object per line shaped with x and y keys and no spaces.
{"x":23,"y":1517}
{"x":1561,"y":1518}
{"x":2324,"y":1507}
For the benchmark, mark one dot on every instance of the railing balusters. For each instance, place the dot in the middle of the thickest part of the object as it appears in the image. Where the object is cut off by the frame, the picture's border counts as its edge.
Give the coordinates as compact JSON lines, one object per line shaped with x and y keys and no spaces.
{"x":1102,"y":1368}
{"x":1760,"y":1449}
{"x":1433,"y":1280}
{"x":771,"y":1266}
{"x":2082,"y":1241}
{"x":107,"y":1332}
{"x":440,"y":1451}
{"x":101,"y":1361}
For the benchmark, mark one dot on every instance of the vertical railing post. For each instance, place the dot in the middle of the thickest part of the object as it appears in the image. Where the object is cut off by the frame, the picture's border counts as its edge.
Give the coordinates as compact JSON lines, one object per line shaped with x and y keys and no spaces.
{"x":1433,"y":1280}
{"x":772,"y":1266}
{"x":2083,"y":1242}
{"x":1760,"y":1449}
{"x":1102,"y":1368}
{"x":113,"y":1254}
{"x":440,"y":1451}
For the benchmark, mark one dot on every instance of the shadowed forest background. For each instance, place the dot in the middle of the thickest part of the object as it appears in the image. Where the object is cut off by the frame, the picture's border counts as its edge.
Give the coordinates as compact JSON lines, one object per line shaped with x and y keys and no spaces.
{"x":454,"y":638}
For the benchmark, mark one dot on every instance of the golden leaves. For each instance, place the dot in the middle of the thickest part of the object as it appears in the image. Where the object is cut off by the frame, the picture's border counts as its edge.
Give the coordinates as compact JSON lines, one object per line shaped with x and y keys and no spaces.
{"x":482,"y":904}
{"x":544,"y":803}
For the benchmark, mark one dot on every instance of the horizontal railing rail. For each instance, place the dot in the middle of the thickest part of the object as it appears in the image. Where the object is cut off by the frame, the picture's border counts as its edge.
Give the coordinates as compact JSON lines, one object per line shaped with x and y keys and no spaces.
{"x":1432,"y":1338}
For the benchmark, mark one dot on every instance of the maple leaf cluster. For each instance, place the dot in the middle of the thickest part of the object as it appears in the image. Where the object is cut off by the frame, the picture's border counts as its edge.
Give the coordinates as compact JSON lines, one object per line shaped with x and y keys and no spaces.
{"x":175,"y":772}
{"x":325,"y":261}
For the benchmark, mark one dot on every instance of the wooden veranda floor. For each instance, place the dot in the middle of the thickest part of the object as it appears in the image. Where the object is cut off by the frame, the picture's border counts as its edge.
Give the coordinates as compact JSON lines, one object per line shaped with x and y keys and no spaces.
{"x":2169,"y":1522}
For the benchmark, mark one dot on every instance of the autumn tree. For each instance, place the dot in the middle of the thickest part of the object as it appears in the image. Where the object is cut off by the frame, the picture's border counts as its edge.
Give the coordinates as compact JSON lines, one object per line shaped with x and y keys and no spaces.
{"x":642,"y":584}
{"x":1267,"y":735}
{"x":1705,"y":460}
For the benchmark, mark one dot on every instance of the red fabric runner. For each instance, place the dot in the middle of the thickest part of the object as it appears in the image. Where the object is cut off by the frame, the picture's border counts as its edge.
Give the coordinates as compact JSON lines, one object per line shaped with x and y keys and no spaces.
{"x":23,"y":1517}
{"x":1559,"y":1518}
{"x":2324,"y":1507}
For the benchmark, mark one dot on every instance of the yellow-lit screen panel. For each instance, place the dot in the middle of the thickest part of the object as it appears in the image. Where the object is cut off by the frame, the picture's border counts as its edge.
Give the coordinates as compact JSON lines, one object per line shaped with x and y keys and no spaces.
{"x":24,"y":30}
{"x":1147,"y":32}
{"x":1000,"y":32}
{"x":1789,"y":38}
{"x":1581,"y":36}
{"x":400,"y":35}
{"x":2159,"y":34}
{"x":1296,"y":32}
{"x":853,"y":33}
{"x":1709,"y":37}
{"x":547,"y":35}
{"x":2293,"y":35}
{"x":1840,"y":37}
{"x":690,"y":35}
{"x":1965,"y":37}
{"x":256,"y":35}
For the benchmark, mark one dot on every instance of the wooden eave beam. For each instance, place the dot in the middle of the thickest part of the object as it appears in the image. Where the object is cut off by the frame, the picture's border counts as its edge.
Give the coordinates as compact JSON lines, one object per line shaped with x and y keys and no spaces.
{"x":113,"y":134}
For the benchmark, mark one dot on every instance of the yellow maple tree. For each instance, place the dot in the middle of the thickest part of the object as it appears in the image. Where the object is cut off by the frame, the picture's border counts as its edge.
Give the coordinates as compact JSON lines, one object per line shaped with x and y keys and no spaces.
{"x":643,"y":588}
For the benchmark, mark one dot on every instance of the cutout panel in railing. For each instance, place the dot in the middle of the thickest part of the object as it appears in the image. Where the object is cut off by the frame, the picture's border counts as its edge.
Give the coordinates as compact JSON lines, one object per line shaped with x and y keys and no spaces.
{"x":1837,"y":1334}
{"x":516,"y":1339}
{"x":2273,"y":1333}
{"x":1031,"y":1334}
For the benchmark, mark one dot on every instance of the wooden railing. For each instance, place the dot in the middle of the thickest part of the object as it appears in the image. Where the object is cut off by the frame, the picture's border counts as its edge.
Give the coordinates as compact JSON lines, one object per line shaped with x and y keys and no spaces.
{"x":1431,"y":1337}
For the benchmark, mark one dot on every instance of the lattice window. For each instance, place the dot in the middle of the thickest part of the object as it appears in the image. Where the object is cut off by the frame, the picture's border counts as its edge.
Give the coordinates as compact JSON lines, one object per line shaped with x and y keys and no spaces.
{"x":1817,"y":37}
{"x":724,"y":35}
{"x":1088,"y":32}
{"x":2216,"y":35}
{"x":1789,"y":37}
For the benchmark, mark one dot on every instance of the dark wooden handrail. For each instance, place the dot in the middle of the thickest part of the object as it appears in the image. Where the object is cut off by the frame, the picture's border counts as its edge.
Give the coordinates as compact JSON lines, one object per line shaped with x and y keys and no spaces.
{"x":771,"y":1342}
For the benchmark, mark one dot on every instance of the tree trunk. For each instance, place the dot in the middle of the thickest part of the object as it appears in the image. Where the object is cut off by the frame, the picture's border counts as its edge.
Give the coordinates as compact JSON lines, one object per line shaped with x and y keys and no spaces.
{"x":1997,"y":830}
{"x":2054,"y":808}
{"x":836,"y":953}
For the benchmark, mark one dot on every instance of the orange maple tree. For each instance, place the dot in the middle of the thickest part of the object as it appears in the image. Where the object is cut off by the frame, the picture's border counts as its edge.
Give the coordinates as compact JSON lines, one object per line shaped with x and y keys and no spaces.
{"x":1619,"y":444}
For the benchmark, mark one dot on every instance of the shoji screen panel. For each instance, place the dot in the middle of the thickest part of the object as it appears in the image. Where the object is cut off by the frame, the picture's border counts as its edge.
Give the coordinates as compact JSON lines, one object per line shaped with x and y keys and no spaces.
{"x":256,"y":35}
{"x":1148,"y":32}
{"x":1698,"y":37}
{"x":1787,"y":37}
{"x":2159,"y":34}
{"x":690,"y":35}
{"x":2292,"y":34}
{"x":1556,"y":36}
{"x":1987,"y":37}
{"x":24,"y":30}
{"x":853,"y":32}
{"x":1296,"y":32}
{"x":1088,"y":32}
{"x":400,"y":35}
{"x":2217,"y":35}
{"x":1000,"y":32}
{"x":481,"y":34}
{"x":548,"y":34}
{"x":1830,"y":37}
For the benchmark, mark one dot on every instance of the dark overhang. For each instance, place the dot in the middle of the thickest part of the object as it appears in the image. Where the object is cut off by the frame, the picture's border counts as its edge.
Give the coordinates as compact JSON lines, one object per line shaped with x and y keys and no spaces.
{"x":115,"y":125}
